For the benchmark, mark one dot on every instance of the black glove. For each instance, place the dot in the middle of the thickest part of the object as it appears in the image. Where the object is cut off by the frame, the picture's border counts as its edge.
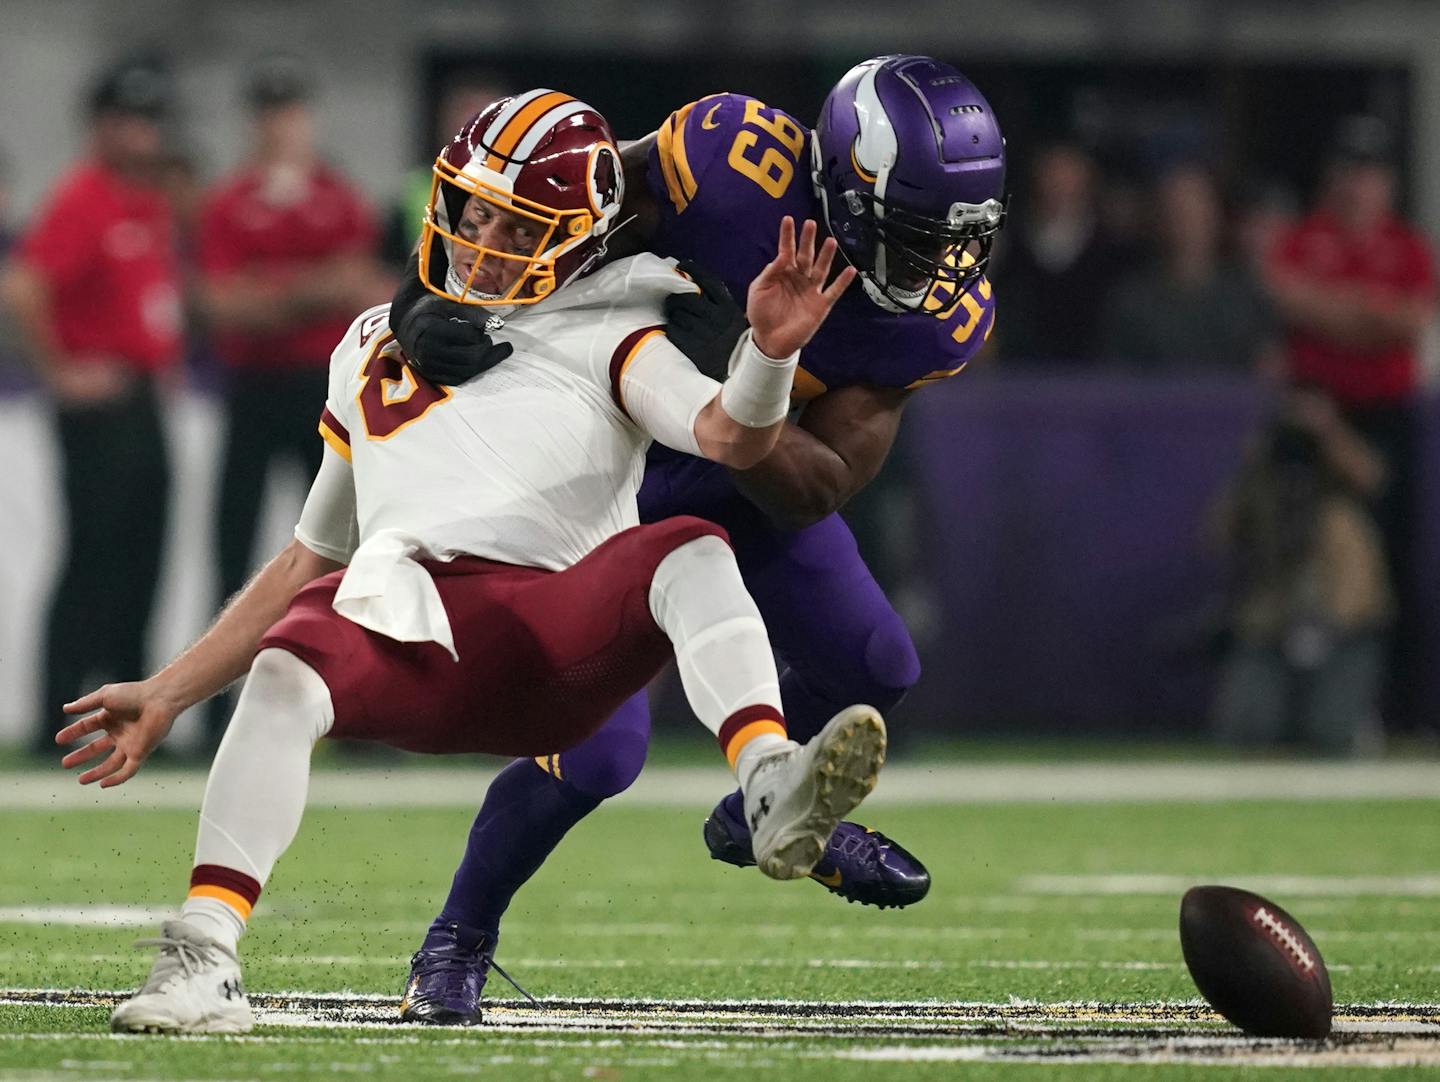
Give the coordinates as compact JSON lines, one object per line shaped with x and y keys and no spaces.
{"x":444,"y":341}
{"x":705,"y":326}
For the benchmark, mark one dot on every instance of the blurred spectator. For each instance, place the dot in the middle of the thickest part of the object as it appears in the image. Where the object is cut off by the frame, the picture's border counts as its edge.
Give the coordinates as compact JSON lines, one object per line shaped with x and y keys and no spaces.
{"x":1355,"y":286}
{"x":1267,"y":212}
{"x":11,"y":365}
{"x":1312,"y":597}
{"x":402,"y":227}
{"x":1056,"y":267}
{"x":93,"y":287}
{"x":7,"y":235}
{"x":287,"y":256}
{"x":181,"y":184}
{"x":1194,"y":308}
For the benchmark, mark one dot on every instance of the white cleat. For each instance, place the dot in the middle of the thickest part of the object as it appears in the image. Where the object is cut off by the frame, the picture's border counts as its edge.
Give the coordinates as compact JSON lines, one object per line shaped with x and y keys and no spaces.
{"x":795,"y":797}
{"x":194,"y":987}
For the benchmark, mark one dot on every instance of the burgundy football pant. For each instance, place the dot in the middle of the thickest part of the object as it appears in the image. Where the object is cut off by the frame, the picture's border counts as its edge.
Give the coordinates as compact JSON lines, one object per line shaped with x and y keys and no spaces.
{"x":545,"y":657}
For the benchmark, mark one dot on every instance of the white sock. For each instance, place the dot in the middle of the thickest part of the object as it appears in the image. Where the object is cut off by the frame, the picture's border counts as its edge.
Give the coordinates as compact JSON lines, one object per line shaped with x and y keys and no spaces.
{"x":755,"y":749}
{"x":721,"y":647}
{"x":219,"y":921}
{"x":255,"y":797}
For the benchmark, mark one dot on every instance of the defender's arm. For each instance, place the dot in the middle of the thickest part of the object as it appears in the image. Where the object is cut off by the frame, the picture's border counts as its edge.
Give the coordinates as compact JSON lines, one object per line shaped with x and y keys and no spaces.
{"x":839,"y":445}
{"x":640,"y":213}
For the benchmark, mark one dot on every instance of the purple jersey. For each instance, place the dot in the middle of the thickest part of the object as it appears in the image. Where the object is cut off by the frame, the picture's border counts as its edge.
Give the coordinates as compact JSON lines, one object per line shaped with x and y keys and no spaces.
{"x":725,"y":170}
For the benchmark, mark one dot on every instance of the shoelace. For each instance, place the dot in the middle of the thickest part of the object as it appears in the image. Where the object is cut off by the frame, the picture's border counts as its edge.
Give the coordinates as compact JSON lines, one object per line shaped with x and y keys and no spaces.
{"x":513,"y":984}
{"x":183,"y":955}
{"x":456,"y":963}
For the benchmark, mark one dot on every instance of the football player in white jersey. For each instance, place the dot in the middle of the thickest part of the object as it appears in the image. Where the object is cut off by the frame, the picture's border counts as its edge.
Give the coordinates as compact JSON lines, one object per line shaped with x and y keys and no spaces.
{"x":468,"y":573}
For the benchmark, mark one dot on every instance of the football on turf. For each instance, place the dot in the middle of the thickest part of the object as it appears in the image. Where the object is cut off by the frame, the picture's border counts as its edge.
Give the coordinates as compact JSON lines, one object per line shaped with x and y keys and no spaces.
{"x":1254,"y":963}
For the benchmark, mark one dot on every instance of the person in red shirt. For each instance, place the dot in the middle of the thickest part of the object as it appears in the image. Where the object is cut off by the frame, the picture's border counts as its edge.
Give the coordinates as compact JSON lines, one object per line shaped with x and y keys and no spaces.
{"x":92,"y":286}
{"x":1355,"y":286}
{"x":287,"y":257}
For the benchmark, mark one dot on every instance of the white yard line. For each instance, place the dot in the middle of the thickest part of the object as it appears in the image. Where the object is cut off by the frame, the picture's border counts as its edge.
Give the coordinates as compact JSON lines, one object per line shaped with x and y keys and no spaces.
{"x":1057,"y":1033}
{"x":999,"y":783}
{"x":98,"y":916}
{"x":1406,"y":886}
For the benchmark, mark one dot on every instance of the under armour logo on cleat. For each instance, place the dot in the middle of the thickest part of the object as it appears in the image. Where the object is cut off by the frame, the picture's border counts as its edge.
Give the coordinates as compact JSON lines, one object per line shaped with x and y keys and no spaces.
{"x":759,"y":813}
{"x":231,"y":989}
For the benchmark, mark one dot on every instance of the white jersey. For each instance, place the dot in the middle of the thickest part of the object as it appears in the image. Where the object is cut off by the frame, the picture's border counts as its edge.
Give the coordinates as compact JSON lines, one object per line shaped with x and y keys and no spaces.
{"x":535,"y":462}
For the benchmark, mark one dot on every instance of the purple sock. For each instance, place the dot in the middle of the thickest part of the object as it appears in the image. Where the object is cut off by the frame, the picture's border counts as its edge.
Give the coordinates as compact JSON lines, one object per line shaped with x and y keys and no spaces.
{"x":525,"y":814}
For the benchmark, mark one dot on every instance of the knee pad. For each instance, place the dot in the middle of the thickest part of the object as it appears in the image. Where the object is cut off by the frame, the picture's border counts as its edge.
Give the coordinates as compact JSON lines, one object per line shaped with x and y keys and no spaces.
{"x":891,"y":664}
{"x":605,"y":765}
{"x":669,"y":534}
{"x":283,"y":693}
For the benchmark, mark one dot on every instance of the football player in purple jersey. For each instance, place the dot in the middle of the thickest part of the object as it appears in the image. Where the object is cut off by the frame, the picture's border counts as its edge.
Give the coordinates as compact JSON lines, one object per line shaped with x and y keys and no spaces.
{"x":906,"y":169}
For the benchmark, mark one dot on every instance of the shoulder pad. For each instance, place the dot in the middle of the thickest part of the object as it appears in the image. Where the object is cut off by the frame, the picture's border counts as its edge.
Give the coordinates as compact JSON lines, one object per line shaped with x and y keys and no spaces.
{"x":691,"y":138}
{"x":705,"y":132}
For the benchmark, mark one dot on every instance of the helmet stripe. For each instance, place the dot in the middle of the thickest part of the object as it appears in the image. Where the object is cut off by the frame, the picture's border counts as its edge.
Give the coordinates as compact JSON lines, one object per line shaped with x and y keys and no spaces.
{"x":507,"y":112}
{"x":504,"y":144}
{"x":875,"y":148}
{"x":568,"y":107}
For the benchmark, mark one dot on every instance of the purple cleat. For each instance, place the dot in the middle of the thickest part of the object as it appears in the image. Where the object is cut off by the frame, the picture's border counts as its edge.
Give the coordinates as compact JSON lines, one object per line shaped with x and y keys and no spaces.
{"x":859,"y":865}
{"x":447,"y":975}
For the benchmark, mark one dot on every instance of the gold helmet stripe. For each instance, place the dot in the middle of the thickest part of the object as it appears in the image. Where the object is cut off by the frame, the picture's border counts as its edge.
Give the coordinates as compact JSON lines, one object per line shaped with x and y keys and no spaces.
{"x":519,"y":124}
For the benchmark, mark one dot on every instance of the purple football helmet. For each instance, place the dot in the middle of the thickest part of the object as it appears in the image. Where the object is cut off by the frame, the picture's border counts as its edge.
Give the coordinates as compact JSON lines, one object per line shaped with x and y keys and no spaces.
{"x":909,"y":166}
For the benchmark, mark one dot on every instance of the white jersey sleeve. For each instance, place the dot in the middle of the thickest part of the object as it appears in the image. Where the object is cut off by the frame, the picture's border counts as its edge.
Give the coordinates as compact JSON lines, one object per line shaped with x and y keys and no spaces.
{"x":663,"y":393}
{"x":328,"y":524}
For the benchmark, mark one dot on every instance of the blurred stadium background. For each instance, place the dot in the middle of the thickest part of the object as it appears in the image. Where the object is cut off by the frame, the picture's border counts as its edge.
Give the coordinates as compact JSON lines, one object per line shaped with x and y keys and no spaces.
{"x":1117,"y":535}
{"x":1043,"y":522}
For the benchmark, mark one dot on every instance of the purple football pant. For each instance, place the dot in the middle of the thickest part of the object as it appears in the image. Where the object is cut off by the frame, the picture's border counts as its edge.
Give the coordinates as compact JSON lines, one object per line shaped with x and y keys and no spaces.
{"x":838,"y":637}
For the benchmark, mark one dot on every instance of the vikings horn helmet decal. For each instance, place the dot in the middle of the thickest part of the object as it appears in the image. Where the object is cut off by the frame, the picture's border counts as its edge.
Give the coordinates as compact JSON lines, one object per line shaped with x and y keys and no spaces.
{"x":909,"y":165}
{"x":547,"y":163}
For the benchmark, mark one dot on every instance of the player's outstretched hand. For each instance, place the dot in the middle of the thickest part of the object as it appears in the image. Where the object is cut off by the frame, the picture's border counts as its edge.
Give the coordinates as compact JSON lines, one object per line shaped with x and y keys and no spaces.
{"x":789,"y":299}
{"x":131,"y":720}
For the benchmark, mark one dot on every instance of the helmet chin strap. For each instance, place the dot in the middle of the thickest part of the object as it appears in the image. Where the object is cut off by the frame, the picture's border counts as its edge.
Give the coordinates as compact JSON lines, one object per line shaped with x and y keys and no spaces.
{"x":456,"y":285}
{"x":888,"y":300}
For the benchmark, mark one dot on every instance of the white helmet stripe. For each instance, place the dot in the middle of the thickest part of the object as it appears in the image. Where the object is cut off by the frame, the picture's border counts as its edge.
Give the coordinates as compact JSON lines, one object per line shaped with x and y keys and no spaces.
{"x":876,"y":148}
{"x":506,"y":114}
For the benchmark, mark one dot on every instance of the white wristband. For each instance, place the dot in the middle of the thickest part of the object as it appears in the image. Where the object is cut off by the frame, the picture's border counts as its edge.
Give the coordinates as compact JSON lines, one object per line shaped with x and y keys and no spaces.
{"x":757,"y":394}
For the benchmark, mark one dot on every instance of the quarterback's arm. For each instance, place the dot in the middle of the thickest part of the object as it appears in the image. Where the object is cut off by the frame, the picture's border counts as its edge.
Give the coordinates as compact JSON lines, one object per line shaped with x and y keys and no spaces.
{"x":839,"y":445}
{"x":788,"y":301}
{"x":663,"y":393}
{"x":135,"y":717}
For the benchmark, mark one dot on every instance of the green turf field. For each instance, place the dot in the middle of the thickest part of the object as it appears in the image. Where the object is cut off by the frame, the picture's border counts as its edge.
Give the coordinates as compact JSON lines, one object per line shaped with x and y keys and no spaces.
{"x":1047,"y":947}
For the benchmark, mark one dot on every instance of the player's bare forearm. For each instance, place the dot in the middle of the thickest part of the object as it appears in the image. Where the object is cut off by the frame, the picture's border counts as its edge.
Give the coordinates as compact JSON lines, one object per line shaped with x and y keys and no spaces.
{"x":817,"y":466}
{"x":223,"y":654}
{"x":128,"y":721}
{"x":786,"y":304}
{"x":724,"y":440}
